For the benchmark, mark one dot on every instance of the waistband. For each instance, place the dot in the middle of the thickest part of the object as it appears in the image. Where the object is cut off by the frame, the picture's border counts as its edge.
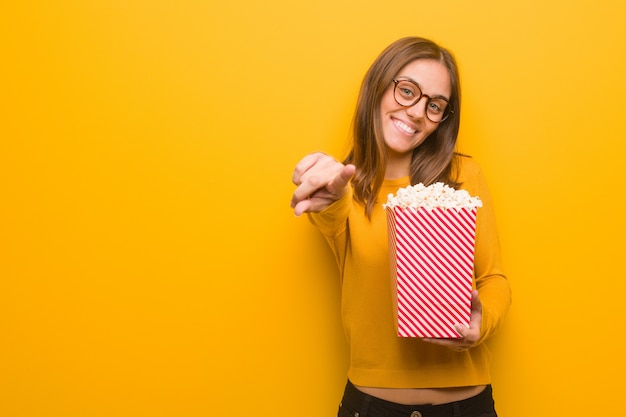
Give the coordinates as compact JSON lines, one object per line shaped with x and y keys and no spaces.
{"x":367,"y":405}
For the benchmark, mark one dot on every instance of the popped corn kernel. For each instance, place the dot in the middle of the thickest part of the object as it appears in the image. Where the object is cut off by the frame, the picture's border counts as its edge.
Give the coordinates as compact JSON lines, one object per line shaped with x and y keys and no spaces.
{"x":437,"y":195}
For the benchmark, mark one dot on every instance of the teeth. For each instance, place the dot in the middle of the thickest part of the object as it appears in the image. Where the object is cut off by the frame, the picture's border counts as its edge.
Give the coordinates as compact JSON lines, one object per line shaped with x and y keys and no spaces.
{"x":404,"y":127}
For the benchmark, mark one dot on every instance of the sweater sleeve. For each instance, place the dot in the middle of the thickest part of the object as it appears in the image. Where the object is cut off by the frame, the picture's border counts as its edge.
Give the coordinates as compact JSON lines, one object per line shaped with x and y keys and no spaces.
{"x":333,"y":224}
{"x":493,"y":287}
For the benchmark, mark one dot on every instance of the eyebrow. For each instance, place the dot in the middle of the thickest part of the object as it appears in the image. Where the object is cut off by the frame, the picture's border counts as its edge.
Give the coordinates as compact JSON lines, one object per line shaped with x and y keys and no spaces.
{"x":405,"y":78}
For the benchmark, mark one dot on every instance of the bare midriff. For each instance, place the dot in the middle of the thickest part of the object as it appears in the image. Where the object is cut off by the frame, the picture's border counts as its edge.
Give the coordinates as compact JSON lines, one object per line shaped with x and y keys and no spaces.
{"x":415,"y":396}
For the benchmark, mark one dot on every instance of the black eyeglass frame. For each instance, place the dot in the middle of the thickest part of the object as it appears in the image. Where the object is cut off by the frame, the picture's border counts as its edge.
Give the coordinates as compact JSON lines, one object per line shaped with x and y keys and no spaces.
{"x":446,"y":113}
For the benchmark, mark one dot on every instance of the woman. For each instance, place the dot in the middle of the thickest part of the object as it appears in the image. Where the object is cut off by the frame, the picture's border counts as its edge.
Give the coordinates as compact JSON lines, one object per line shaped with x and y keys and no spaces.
{"x":405,"y":132}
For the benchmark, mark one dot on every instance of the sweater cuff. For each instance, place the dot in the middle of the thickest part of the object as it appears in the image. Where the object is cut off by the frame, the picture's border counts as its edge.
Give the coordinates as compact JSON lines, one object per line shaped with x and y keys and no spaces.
{"x":495,"y":303}
{"x":332,"y":220}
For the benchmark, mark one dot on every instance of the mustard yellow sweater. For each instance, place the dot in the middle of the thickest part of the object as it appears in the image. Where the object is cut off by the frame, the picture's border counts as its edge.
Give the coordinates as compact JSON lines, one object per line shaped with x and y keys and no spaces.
{"x":378,"y":357}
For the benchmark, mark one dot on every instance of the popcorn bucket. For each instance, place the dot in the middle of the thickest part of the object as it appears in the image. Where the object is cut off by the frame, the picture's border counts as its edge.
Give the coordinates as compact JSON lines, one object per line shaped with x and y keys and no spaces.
{"x":432,"y":260}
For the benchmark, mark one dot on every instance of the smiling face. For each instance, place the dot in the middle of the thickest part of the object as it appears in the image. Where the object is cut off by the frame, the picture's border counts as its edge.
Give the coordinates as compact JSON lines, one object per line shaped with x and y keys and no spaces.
{"x":405,"y":128}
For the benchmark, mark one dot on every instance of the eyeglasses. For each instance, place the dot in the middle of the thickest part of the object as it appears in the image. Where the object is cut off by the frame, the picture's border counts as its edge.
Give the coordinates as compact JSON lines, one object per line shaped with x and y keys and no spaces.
{"x":407,"y":93}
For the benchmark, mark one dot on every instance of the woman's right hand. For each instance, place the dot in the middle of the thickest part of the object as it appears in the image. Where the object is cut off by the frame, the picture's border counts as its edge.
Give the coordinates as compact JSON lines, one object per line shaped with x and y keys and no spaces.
{"x":321,"y":180}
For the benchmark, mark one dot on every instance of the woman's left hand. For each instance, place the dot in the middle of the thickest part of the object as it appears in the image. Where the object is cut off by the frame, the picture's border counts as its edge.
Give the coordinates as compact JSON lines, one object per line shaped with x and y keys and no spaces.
{"x":470,"y":335}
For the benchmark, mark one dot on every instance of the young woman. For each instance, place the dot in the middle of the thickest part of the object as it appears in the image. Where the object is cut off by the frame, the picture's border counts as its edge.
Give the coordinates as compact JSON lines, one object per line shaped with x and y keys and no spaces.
{"x":405,"y":131}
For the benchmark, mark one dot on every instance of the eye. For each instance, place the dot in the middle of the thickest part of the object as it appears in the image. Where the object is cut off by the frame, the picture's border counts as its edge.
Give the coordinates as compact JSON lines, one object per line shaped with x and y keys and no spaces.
{"x":437,"y":106}
{"x":408,"y":90}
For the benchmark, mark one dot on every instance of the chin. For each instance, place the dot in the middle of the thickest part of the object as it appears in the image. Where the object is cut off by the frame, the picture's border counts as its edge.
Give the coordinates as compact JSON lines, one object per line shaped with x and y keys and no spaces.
{"x":405,"y":147}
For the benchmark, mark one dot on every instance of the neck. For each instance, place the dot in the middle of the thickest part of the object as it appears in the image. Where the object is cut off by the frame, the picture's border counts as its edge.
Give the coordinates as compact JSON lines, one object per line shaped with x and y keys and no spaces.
{"x":398,"y":166}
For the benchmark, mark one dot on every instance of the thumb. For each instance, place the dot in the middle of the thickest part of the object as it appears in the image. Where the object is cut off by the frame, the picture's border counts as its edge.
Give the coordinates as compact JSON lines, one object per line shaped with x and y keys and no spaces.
{"x":341,"y":180}
{"x":477,"y":305}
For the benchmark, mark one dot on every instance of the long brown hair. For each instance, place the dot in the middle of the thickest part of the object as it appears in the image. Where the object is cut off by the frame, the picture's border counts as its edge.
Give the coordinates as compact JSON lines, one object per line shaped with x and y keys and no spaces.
{"x":433,"y":159}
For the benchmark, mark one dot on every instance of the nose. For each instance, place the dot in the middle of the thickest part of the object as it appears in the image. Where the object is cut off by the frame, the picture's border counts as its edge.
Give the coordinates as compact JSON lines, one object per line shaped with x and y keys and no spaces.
{"x":418,"y":110}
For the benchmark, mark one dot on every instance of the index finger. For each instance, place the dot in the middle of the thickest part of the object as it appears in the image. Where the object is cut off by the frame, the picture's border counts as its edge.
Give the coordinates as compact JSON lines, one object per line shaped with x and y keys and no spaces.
{"x":341,"y":180}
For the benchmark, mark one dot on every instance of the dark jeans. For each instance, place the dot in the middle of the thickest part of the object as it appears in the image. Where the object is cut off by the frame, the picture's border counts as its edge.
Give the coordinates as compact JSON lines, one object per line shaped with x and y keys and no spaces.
{"x":358,"y":404}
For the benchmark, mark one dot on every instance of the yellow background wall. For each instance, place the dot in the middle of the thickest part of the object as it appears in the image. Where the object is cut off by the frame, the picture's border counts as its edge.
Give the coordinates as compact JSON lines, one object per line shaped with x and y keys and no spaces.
{"x":150,"y":264}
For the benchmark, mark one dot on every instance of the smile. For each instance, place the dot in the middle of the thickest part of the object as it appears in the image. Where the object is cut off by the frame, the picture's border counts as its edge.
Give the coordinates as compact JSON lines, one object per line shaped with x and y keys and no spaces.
{"x":404,"y":127}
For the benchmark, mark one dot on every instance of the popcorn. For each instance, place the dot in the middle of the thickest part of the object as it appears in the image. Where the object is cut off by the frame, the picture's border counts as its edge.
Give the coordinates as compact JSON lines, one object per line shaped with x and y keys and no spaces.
{"x":436,"y":195}
{"x":432,"y":233}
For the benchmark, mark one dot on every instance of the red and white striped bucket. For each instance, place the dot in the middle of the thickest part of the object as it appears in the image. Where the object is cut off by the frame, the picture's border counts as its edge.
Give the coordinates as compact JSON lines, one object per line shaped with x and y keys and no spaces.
{"x":432,"y":258}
